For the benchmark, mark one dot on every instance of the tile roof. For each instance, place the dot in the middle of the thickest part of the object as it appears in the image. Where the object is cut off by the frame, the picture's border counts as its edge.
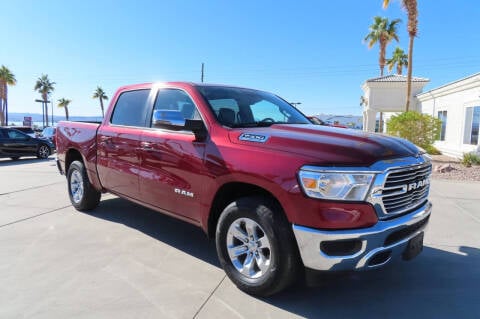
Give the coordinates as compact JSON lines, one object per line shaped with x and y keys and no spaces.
{"x":397,"y":78}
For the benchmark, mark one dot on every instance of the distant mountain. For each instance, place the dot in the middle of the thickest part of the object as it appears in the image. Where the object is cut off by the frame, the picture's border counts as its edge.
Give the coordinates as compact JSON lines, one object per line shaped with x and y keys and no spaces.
{"x":18,"y":117}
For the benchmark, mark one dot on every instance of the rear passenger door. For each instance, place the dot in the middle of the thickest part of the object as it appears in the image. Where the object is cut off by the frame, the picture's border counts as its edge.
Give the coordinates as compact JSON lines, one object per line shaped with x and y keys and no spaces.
{"x":118,"y":142}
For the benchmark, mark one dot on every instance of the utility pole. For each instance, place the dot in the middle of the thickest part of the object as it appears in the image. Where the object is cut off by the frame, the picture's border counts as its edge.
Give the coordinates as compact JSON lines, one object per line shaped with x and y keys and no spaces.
{"x":203,"y":71}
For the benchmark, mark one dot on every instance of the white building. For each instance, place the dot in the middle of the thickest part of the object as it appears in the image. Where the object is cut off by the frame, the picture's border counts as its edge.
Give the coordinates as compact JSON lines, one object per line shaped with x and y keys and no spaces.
{"x":457,"y":104}
{"x":386,"y":94}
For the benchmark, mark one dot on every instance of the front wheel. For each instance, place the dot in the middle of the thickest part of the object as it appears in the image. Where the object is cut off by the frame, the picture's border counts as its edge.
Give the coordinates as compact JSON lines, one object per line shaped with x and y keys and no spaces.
{"x":256,"y":246}
{"x":83,"y":195}
{"x":43,"y":151}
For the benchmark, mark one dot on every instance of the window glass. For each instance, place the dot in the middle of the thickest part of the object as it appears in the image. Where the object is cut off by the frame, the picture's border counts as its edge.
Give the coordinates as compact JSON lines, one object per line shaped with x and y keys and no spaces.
{"x":17,"y":135}
{"x":175,"y":106}
{"x":238,"y":107}
{"x":131,"y":108}
{"x":442,"y":116}
{"x":472,"y":123}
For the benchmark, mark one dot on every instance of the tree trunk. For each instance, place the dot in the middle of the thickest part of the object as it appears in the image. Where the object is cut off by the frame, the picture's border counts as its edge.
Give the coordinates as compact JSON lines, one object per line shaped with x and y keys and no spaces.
{"x":409,"y":73}
{"x":2,"y":103}
{"x":381,"y":59}
{"x":6,"y":103}
{"x":66,"y":112}
{"x":101,"y":106}
{"x":45,"y":105}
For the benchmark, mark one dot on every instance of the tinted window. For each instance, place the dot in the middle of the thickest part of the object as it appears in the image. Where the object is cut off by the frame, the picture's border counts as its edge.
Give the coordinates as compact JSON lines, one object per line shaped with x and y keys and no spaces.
{"x":17,"y":135}
{"x":130,"y":109}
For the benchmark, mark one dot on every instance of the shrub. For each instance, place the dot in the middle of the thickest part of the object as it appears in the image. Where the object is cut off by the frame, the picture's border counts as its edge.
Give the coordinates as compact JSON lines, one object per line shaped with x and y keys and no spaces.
{"x":420,"y":129}
{"x":432,"y":150}
{"x":470,"y":159}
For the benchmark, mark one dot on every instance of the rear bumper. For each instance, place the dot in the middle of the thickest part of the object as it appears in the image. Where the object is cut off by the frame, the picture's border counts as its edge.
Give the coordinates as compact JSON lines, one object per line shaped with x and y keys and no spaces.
{"x":360,"y":249}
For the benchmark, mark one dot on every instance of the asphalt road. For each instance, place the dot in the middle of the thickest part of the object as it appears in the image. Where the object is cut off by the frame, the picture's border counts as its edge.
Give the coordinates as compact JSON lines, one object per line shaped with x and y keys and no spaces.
{"x":125,"y":261}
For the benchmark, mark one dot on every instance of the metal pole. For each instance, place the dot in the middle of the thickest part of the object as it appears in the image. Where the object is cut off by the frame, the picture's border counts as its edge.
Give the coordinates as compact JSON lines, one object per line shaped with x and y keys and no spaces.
{"x":203,"y":71}
{"x":51,"y":102}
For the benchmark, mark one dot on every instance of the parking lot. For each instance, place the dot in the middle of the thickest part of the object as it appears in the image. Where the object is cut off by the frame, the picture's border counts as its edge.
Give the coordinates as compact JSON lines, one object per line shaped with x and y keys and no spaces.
{"x":125,"y":261}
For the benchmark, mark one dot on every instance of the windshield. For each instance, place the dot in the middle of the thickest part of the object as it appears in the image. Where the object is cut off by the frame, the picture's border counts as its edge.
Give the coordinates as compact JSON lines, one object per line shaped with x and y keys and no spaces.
{"x":238,"y":107}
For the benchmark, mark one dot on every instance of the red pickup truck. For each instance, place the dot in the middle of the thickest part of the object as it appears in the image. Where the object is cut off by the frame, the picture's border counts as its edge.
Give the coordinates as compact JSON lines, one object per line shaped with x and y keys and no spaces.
{"x":276,"y":192}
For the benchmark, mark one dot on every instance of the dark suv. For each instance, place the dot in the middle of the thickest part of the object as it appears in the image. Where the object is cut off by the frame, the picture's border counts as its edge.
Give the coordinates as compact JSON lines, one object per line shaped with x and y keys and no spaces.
{"x":16,"y":144}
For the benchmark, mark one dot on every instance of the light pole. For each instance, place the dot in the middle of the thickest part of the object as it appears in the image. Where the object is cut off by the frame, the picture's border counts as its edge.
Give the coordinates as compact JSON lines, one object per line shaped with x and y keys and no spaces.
{"x":295,"y":103}
{"x":43,"y":111}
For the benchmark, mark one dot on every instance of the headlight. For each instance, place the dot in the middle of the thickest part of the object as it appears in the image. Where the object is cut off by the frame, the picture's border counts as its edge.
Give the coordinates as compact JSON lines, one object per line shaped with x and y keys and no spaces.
{"x":336,"y":185}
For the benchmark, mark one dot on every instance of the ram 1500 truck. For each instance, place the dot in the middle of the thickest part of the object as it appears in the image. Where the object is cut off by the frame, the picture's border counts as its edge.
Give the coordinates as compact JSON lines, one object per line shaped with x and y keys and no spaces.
{"x":275,"y":192}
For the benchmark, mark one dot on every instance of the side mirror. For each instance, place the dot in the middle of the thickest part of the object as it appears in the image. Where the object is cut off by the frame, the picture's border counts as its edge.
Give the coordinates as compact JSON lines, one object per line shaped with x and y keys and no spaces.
{"x":170,"y":119}
{"x":198,"y":128}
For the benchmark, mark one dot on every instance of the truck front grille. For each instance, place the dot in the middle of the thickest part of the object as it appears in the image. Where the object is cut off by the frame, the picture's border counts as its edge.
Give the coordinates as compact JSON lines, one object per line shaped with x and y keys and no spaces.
{"x":406,"y":188}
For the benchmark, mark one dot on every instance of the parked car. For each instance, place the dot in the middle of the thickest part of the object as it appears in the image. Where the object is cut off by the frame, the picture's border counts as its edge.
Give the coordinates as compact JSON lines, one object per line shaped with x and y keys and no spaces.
{"x":315,"y":120}
{"x":16,"y":144}
{"x":49,"y":133}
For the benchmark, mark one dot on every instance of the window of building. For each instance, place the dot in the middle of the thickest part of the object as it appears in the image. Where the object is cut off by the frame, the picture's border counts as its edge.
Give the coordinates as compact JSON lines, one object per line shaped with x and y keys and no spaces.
{"x":131,"y":108}
{"x":472,"y":123}
{"x":442,"y":116}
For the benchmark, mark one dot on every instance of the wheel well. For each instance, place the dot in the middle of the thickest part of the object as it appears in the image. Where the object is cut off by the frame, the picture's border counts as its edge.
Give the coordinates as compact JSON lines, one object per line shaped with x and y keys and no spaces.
{"x":227,"y":194}
{"x":72,"y":155}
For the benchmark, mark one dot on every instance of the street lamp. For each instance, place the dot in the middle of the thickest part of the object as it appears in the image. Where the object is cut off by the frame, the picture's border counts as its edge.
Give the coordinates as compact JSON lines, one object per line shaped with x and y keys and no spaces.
{"x":43,"y":110}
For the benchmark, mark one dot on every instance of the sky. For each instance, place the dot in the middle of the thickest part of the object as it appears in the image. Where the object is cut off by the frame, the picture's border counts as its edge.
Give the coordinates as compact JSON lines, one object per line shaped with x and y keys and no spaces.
{"x":310,"y":52}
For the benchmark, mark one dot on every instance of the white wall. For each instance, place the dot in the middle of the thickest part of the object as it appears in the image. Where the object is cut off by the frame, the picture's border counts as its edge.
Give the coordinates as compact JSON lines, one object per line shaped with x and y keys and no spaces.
{"x":453,"y":98}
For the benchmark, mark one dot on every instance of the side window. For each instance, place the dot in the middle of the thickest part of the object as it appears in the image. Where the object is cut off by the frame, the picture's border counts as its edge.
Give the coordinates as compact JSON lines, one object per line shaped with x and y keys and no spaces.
{"x":174,"y":107}
{"x":16,"y":135}
{"x":131,"y":108}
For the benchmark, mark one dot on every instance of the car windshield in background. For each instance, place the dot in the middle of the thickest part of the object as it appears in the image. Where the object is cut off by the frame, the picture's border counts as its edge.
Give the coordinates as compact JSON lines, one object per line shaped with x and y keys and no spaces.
{"x":239,"y":107}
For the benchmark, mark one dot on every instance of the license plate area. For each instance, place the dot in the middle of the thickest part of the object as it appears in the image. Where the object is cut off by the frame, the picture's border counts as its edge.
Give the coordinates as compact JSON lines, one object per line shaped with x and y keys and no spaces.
{"x":414,"y":247}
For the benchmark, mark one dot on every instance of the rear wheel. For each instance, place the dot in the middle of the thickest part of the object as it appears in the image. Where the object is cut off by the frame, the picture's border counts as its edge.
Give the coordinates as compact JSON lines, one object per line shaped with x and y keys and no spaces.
{"x":43,"y":151}
{"x":256,"y":247}
{"x":83,"y":195}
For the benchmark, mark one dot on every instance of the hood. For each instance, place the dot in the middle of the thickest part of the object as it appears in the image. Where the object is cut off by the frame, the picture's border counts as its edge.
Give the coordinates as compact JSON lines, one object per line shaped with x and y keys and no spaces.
{"x":326,"y":145}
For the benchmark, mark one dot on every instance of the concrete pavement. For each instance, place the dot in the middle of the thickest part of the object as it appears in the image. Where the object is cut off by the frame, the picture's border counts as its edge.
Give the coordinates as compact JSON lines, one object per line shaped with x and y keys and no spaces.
{"x":125,"y":261}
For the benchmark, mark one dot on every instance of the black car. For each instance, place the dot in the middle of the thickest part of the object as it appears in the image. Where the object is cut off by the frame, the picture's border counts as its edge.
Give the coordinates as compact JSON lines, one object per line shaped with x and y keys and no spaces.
{"x":16,"y":144}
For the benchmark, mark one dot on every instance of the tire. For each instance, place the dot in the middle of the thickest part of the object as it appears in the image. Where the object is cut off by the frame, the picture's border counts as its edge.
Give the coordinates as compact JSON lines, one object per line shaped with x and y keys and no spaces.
{"x":267,"y":264}
{"x":15,"y":158}
{"x":43,"y":151}
{"x":83,"y":195}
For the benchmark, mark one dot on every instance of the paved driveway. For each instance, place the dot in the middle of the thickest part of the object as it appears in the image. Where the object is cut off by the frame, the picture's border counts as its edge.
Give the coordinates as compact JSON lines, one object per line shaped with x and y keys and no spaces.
{"x":124,"y":261}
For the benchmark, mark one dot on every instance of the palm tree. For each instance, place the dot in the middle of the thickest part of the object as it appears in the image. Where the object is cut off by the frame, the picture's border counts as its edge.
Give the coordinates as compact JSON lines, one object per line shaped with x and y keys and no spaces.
{"x":44,"y":86}
{"x":412,"y":12}
{"x":6,"y":78}
{"x":399,"y":58}
{"x":382,"y":32}
{"x":63,"y":102}
{"x":100,"y":94}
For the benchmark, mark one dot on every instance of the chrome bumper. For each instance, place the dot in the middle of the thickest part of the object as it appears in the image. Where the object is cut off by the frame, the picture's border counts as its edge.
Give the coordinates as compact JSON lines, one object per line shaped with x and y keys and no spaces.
{"x":378,"y":245}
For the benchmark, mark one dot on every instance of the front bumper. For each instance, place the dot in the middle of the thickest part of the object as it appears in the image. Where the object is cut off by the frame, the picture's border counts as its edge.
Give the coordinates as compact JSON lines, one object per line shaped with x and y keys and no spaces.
{"x":374,"y":246}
